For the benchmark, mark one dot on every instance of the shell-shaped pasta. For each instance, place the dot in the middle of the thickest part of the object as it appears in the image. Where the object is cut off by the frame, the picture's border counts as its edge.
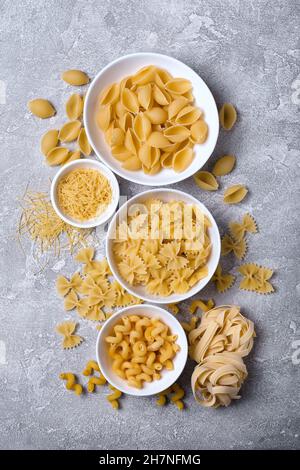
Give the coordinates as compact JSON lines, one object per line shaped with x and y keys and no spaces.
{"x":149,"y":156}
{"x":69,"y":131}
{"x":224,"y":165}
{"x":74,"y":106}
{"x":152,"y":171}
{"x":199,"y":131}
{"x":83,"y":142}
{"x":108,"y":133}
{"x":144,"y":75}
{"x":104,"y":117}
{"x":205,"y":180}
{"x":73,"y":156}
{"x":131,"y":142}
{"x":110,"y":94}
{"x":130,"y":101}
{"x":126,"y":121}
{"x":177,"y":133}
{"x":188,"y":115}
{"x":166,"y":160}
{"x":117,"y":136}
{"x":178,"y":86}
{"x":227,"y":116}
{"x":161,"y":96}
{"x":235,"y":194}
{"x":142,"y":127}
{"x":157,"y":115}
{"x":120,"y":152}
{"x":177,"y":105}
{"x":119,"y":109}
{"x":182,"y":159}
{"x":41,"y":108}
{"x":57,"y":156}
{"x":126,"y":82}
{"x":49,"y":141}
{"x":158,"y":140}
{"x":161,"y":77}
{"x":144,"y":94}
{"x":133,"y":163}
{"x":75,"y":77}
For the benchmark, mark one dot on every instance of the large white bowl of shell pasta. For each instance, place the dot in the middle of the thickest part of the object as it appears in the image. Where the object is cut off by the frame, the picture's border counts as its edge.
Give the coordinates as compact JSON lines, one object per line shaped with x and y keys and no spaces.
{"x":151,"y":119}
{"x":142,"y":350}
{"x":163,"y":246}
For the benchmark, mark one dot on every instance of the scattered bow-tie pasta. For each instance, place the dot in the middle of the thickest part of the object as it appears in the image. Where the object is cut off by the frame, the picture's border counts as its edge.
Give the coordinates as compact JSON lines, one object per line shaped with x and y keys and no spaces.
{"x":248,"y":224}
{"x":160,"y":252}
{"x":222,"y":280}
{"x":84,"y":194}
{"x":227,"y":116}
{"x":41,"y":108}
{"x":206,"y":180}
{"x":224,"y":165}
{"x":150,"y":122}
{"x":238,"y":247}
{"x":67,"y":329}
{"x":256,"y":278}
{"x":140,"y":348}
{"x":235,"y":194}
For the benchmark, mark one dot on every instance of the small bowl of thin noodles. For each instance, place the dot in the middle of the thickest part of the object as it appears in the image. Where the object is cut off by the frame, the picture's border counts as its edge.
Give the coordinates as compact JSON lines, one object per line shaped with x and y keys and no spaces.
{"x":84,"y":193}
{"x":125,"y":364}
{"x":154,"y":130}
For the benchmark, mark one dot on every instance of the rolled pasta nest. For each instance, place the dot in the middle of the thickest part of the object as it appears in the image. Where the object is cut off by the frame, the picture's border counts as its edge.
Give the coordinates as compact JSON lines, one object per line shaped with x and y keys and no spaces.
{"x":219,"y":344}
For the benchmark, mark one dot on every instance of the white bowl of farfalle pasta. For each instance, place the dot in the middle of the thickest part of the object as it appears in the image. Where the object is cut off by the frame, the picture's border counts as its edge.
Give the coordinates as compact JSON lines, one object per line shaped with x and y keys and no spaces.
{"x":151,"y":119}
{"x":142,"y":350}
{"x":163,"y":246}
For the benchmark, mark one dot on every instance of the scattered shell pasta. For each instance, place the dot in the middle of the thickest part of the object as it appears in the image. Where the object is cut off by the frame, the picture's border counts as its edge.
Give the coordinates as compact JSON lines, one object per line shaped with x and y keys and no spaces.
{"x":227,"y":116}
{"x":49,"y":141}
{"x":235,"y":194}
{"x":224,"y":165}
{"x":83,"y":143}
{"x":41,"y":108}
{"x":57,"y":156}
{"x":206,"y":180}
{"x":149,"y":111}
{"x":75,"y":77}
{"x":74,"y":107}
{"x":69,"y":131}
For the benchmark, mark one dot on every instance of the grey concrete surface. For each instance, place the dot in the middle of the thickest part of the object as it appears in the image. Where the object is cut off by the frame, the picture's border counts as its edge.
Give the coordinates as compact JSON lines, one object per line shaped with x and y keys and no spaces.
{"x":248,"y":54}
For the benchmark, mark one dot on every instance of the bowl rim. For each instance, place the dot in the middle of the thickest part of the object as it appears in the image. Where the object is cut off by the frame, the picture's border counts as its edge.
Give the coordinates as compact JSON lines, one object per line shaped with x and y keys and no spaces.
{"x":166,"y":300}
{"x":102,"y":169}
{"x":165,"y":314}
{"x":118,"y":171}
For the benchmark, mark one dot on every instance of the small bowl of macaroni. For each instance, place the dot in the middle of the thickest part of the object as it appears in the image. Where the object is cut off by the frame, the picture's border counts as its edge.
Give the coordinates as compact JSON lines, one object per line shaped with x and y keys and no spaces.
{"x":85,"y":193}
{"x":151,"y":119}
{"x":142,"y":350}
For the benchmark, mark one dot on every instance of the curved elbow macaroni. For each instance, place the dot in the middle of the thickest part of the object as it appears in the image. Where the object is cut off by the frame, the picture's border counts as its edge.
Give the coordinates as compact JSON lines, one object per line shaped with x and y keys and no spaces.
{"x":140,"y":348}
{"x":71,"y":382}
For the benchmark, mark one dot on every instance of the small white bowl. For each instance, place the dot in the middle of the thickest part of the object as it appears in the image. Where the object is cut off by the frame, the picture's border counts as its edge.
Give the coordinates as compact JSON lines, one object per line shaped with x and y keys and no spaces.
{"x":95,"y":165}
{"x":164,"y":195}
{"x":128,"y":65}
{"x":168,"y":377}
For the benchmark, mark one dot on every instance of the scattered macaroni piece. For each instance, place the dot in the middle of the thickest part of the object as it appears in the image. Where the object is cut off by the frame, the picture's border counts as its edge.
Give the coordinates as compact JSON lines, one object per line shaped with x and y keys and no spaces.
{"x":248,"y":225}
{"x":140,"y":347}
{"x":178,"y":394}
{"x":174,"y":308}
{"x":206,"y":181}
{"x":238,"y":247}
{"x":113,"y":398}
{"x":224,"y":165}
{"x":235,"y":194}
{"x":256,"y":278}
{"x":75,"y":77}
{"x":84,"y":193}
{"x":93,"y":381}
{"x":41,"y":108}
{"x":204,"y":306}
{"x":227,"y":116}
{"x":189,"y":326}
{"x":49,"y":141}
{"x":74,"y":107}
{"x":221,"y":329}
{"x":90,"y":368}
{"x":222,"y":280}
{"x":71,"y":382}
{"x":67,"y":329}
{"x":150,"y":122}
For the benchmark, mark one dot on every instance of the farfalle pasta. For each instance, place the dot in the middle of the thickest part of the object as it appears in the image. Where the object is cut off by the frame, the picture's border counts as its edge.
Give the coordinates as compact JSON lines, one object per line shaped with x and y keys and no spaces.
{"x":150,"y":122}
{"x":238,"y":247}
{"x":248,"y":224}
{"x":222,"y":280}
{"x":67,"y":329}
{"x":166,"y":249}
{"x":256,"y":278}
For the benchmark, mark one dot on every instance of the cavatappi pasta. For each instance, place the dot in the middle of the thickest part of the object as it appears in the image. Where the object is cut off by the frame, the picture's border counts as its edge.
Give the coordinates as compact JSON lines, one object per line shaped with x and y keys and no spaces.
{"x":150,"y":122}
{"x":165,"y":249}
{"x":140,"y":347}
{"x":84,"y":193}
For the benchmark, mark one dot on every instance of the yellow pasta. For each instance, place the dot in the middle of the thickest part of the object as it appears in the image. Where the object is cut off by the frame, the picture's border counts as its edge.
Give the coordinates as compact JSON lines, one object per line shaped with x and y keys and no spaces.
{"x":227,"y":116}
{"x":57,"y":156}
{"x":235,"y":194}
{"x":83,"y":143}
{"x":74,"y":107}
{"x":224,"y":165}
{"x":70,"y":340}
{"x":114,"y":397}
{"x":206,"y":181}
{"x":256,"y":278}
{"x":238,"y":230}
{"x":49,"y":141}
{"x":182,"y":159}
{"x":222,"y":280}
{"x":41,"y":108}
{"x":204,"y":306}
{"x":63,"y":285}
{"x":238,"y":247}
{"x":75,"y":77}
{"x":199,"y":132}
{"x":90,"y":367}
{"x":71,"y":383}
{"x":69,"y":131}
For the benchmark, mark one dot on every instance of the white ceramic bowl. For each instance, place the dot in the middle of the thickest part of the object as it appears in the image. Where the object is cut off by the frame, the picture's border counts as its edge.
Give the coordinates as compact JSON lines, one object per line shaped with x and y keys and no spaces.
{"x":128,"y":65}
{"x":95,"y":165}
{"x":164,"y":195}
{"x":168,"y":377}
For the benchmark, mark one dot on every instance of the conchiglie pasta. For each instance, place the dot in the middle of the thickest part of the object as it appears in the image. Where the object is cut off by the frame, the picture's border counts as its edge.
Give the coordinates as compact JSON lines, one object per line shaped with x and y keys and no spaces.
{"x":150,"y":122}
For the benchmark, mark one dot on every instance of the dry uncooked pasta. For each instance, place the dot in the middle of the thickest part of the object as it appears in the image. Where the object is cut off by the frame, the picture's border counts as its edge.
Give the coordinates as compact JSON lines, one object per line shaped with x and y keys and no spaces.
{"x":221,"y":329}
{"x":204,"y":306}
{"x":150,"y":122}
{"x":256,"y":278}
{"x":57,"y":156}
{"x":218,"y":378}
{"x":84,"y":193}
{"x":69,"y":131}
{"x":161,"y":250}
{"x":113,"y":398}
{"x":71,"y":382}
{"x":49,"y":141}
{"x":206,"y":181}
{"x":41,"y":108}
{"x":235,"y":194}
{"x":238,"y":230}
{"x":224,"y":165}
{"x":238,"y":247}
{"x":67,"y":329}
{"x":75,"y":77}
{"x":222,"y":280}
{"x":83,"y":143}
{"x":74,"y":107}
{"x":227,"y":116}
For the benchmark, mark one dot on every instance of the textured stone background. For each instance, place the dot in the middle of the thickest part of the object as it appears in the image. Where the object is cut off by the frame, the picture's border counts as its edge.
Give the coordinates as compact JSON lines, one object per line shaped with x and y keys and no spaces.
{"x":247,"y":52}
